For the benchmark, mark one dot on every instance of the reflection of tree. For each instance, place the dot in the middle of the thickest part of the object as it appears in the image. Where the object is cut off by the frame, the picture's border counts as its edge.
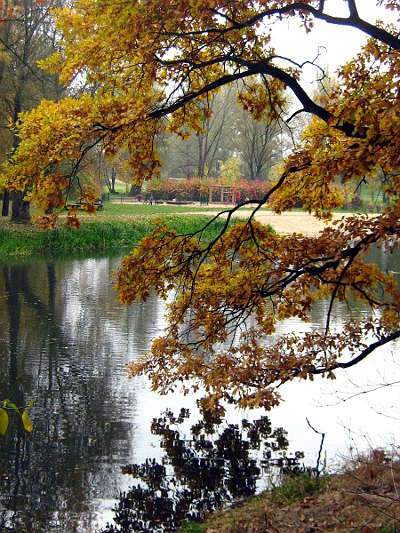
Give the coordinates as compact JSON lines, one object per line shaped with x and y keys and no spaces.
{"x":196,"y":476}
{"x":145,"y":317}
{"x":47,"y":479}
{"x":342,"y":310}
{"x":14,"y":389}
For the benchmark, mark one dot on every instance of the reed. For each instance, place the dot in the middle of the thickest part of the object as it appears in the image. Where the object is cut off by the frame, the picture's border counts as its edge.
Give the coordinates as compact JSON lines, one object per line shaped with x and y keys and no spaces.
{"x":95,"y":235}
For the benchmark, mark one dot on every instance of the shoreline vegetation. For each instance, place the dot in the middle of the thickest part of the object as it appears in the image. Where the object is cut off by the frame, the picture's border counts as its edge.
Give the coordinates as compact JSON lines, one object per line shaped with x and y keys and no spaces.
{"x":363,"y":496}
{"x":95,"y":235}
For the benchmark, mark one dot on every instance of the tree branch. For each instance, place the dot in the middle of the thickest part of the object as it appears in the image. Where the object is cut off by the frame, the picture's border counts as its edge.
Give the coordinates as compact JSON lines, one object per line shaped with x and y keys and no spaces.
{"x":381,"y":342}
{"x":353,"y":9}
{"x":354,"y":21}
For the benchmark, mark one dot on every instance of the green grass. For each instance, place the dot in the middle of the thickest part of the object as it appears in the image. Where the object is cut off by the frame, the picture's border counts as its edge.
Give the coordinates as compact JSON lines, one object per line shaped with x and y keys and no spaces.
{"x":297,"y":487}
{"x":95,"y":235}
{"x":390,"y":529}
{"x":132,"y":209}
{"x":193,"y":527}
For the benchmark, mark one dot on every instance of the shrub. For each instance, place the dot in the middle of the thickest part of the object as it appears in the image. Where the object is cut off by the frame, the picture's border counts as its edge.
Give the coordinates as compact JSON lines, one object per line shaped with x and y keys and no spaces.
{"x":191,"y":189}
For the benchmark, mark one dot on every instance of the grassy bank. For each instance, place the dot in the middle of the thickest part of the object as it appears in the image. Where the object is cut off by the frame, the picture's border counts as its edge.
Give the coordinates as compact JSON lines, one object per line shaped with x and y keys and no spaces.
{"x":97,"y":234}
{"x":364,"y":497}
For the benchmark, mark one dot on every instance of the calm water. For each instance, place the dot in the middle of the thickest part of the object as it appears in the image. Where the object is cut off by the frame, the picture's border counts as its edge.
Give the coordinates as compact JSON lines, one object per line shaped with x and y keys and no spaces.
{"x":64,"y":340}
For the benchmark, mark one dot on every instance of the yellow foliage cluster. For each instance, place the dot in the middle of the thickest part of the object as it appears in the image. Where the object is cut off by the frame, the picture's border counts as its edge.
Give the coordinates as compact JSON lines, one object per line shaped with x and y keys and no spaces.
{"x":147,"y":61}
{"x":234,"y":294}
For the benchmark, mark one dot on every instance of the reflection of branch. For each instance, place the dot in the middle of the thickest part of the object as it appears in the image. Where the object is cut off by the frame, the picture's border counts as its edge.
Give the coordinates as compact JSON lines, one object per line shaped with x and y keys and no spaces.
{"x":320,"y":446}
{"x":335,"y":290}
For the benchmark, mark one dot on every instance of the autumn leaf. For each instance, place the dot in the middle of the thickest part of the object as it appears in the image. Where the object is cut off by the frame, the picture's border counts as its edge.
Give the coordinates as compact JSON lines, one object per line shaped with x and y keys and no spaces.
{"x":3,"y":421}
{"x":27,"y":422}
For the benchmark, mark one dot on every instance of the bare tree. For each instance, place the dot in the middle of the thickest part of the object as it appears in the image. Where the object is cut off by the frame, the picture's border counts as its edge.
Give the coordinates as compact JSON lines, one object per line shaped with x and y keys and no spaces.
{"x":227,"y":131}
{"x":259,"y":145}
{"x":201,"y":154}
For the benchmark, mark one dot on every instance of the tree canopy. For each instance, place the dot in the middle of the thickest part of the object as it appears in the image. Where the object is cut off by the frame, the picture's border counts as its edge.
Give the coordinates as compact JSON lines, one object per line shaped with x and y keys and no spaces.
{"x":152,"y":65}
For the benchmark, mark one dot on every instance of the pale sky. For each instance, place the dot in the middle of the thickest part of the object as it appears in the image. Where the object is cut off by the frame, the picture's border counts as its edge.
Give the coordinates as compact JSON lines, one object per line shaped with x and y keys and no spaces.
{"x":341,"y":43}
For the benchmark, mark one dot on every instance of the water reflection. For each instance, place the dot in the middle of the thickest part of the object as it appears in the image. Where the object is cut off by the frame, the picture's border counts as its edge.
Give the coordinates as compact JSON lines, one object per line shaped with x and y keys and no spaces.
{"x":216,"y":465}
{"x":61,"y":344}
{"x":64,"y":340}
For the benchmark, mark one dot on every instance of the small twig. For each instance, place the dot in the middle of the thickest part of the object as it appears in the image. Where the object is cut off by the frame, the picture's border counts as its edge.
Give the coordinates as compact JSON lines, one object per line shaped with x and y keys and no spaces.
{"x":320,"y":446}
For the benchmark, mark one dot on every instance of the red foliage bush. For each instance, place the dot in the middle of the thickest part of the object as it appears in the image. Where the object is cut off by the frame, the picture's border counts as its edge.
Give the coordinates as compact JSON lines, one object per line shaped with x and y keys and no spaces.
{"x":191,"y":189}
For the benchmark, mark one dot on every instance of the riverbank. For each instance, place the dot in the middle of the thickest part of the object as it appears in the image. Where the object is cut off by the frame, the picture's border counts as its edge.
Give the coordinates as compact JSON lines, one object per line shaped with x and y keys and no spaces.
{"x":120,"y":227}
{"x":363,"y":498}
{"x":96,"y":235}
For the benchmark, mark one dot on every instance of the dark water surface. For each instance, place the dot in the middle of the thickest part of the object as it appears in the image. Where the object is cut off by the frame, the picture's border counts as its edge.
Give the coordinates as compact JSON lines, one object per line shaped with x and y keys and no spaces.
{"x":64,"y":340}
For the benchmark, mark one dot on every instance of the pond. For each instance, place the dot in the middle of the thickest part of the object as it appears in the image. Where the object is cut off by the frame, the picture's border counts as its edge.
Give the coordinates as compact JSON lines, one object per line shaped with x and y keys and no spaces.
{"x":64,"y":341}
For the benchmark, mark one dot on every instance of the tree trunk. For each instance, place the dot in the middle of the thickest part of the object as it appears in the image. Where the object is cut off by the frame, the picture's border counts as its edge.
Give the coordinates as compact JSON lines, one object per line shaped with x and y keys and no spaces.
{"x":135,"y":189}
{"x":113,"y":178}
{"x":200,"y":163}
{"x":6,"y":203}
{"x":20,"y":209}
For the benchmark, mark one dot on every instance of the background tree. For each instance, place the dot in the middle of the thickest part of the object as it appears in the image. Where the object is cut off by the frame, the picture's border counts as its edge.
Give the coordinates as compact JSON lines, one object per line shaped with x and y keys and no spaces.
{"x":99,"y":171}
{"x":26,"y":36}
{"x":259,"y":145}
{"x":227,"y":131}
{"x":231,"y":170}
{"x":172,"y":58}
{"x":200,"y":154}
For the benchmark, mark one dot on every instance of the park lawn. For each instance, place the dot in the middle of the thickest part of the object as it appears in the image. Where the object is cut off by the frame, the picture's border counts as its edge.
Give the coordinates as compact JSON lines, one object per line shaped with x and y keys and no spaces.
{"x":136,"y":209}
{"x":140,"y":209}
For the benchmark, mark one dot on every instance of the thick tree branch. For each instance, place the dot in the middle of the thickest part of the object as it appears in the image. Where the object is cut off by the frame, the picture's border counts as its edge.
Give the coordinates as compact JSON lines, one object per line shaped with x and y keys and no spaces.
{"x":353,"y":21}
{"x":353,"y":9}
{"x":187,"y":98}
{"x":261,"y":67}
{"x":372,"y":347}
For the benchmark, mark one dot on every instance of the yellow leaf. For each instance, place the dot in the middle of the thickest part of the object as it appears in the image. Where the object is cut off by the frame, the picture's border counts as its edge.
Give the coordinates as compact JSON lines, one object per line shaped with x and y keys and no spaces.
{"x":3,"y":421}
{"x":27,"y":421}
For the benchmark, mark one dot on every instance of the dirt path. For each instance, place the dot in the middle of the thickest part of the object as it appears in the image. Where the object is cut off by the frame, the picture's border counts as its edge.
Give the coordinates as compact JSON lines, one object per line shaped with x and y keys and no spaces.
{"x":297,"y":222}
{"x":292,"y":222}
